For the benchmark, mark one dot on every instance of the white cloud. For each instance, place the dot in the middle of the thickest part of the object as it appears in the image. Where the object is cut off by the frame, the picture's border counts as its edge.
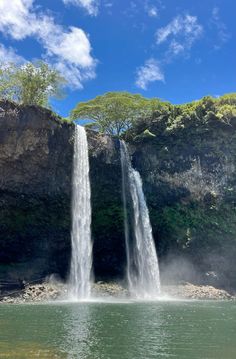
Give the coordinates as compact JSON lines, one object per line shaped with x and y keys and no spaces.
{"x":180,"y":33}
{"x":73,"y":46}
{"x":9,"y":55}
{"x":74,"y":75}
{"x":70,"y":53}
{"x":134,"y":8}
{"x":223,"y":34}
{"x":152,"y":11}
{"x":108,"y":4}
{"x":179,"y":36}
{"x":91,"y":6}
{"x":176,"y":48}
{"x":14,"y":18}
{"x":150,"y":72}
{"x":69,"y":50}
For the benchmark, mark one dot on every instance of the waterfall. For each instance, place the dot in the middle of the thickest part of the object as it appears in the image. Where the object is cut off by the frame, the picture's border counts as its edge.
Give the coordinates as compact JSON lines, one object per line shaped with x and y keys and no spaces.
{"x":81,"y":257}
{"x":142,"y":263}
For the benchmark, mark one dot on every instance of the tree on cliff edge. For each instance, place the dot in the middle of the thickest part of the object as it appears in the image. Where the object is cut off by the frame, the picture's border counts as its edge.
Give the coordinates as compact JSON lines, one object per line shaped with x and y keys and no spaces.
{"x":30,"y":84}
{"x":113,"y":112}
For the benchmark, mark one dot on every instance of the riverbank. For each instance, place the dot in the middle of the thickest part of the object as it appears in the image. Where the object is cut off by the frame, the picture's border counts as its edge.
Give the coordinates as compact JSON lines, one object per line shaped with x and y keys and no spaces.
{"x":45,"y":292}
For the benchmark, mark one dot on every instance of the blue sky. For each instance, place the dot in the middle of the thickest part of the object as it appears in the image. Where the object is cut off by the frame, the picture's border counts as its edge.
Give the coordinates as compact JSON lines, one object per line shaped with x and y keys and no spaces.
{"x":175,"y":50}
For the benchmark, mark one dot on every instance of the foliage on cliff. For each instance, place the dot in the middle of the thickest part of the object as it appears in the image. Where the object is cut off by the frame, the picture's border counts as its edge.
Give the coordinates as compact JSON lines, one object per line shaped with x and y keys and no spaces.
{"x":30,"y":84}
{"x":189,"y":178}
{"x":136,"y":117}
{"x":198,"y":115}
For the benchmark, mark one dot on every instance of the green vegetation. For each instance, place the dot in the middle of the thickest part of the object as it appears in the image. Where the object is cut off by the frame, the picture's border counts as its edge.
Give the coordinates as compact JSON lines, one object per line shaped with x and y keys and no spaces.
{"x":114,"y":112}
{"x":30,"y":84}
{"x":199,"y":115}
{"x":135,"y":117}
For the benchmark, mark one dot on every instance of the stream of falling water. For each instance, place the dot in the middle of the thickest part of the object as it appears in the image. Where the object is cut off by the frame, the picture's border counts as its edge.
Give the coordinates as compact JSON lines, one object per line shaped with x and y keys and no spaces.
{"x":81,"y":256}
{"x":142,"y":262}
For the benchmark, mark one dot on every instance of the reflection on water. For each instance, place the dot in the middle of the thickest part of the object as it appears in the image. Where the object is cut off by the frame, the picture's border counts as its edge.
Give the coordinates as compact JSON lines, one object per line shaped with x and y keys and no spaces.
{"x":117,"y":333}
{"x":181,"y":330}
{"x":78,"y":333}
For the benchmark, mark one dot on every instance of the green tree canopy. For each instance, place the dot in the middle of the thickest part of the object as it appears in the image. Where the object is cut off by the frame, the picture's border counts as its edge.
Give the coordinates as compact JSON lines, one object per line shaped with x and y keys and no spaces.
{"x":118,"y":112}
{"x":204,"y":112}
{"x":30,"y":84}
{"x":114,"y":112}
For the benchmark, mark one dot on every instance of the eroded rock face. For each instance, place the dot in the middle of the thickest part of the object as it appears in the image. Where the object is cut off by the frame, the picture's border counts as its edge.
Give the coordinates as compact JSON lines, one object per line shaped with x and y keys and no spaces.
{"x":36,"y":151}
{"x":35,"y":186}
{"x":109,"y":258}
{"x":36,"y":164}
{"x":189,"y":178}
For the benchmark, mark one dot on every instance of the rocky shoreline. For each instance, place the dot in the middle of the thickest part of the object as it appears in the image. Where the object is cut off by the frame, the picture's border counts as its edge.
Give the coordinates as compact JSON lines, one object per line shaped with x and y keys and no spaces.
{"x":192,"y":291}
{"x":46,"y":292}
{"x":35,"y":293}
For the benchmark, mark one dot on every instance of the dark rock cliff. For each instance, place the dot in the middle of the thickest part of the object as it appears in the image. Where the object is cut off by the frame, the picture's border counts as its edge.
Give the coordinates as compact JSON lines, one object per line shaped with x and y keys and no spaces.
{"x":36,"y":161}
{"x":35,"y":176}
{"x":107,"y":211}
{"x":190,"y":184}
{"x":189,"y":181}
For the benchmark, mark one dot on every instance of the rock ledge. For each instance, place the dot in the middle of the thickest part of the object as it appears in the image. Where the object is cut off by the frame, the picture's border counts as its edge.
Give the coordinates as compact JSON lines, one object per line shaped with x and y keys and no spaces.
{"x":192,"y":291}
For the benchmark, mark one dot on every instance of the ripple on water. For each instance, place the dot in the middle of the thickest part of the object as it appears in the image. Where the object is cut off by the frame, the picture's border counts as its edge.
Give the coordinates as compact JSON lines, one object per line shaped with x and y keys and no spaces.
{"x":119,"y":330}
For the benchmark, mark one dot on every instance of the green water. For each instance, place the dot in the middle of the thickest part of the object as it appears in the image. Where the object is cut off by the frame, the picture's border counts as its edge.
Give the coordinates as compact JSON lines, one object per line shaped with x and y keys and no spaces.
{"x":119,"y":330}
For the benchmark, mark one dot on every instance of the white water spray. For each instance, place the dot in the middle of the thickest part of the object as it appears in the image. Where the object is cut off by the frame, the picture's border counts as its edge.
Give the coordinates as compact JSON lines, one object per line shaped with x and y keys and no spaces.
{"x":81,"y":257}
{"x":142,"y":263}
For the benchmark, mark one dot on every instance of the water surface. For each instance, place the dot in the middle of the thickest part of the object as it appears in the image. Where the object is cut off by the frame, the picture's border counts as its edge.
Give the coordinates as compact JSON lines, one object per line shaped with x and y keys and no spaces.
{"x":119,"y":330}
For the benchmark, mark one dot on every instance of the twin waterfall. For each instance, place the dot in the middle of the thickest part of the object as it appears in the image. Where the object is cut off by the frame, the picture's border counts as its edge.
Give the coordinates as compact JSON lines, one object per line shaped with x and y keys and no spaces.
{"x":81,"y":257}
{"x":142,"y":264}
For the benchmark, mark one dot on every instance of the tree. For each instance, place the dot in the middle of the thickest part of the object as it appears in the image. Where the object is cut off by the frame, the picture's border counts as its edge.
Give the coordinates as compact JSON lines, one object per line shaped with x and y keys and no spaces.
{"x":30,"y":84}
{"x":227,"y":99}
{"x":226,"y":113}
{"x":113,"y":112}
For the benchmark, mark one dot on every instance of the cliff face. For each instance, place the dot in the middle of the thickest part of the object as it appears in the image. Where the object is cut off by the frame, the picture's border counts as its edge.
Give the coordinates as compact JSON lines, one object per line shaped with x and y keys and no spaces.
{"x":189,"y":181}
{"x":36,"y":161}
{"x":190,"y":184}
{"x":36,"y":164}
{"x":109,"y":256}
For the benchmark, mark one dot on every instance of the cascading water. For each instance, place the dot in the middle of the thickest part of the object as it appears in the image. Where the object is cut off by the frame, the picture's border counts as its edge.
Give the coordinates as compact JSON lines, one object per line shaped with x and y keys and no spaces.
{"x":142,"y":263}
{"x":81,"y":257}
